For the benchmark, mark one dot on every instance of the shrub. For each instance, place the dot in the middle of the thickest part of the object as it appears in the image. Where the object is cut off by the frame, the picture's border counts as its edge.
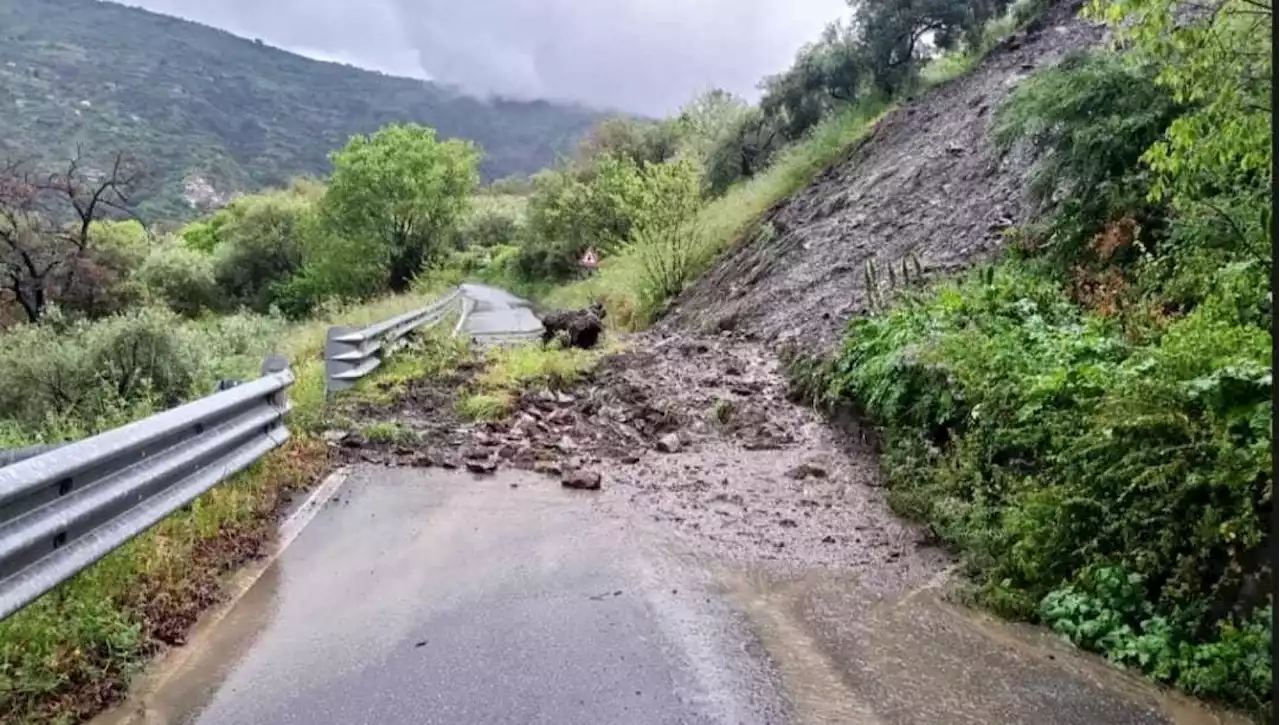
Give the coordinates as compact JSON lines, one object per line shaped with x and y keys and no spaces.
{"x":1045,"y":445}
{"x":180,"y":278}
{"x":87,"y":371}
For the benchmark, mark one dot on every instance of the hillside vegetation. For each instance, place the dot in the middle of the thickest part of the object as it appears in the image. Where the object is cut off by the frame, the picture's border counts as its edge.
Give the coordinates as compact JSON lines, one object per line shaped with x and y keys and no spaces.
{"x":210,"y":114}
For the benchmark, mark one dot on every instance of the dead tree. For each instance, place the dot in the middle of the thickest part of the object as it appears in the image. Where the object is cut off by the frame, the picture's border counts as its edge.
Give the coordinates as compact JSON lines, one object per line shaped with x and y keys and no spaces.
{"x":46,"y":224}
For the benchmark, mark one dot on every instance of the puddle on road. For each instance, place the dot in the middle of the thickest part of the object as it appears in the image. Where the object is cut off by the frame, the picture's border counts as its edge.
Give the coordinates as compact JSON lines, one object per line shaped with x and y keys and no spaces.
{"x":851,"y":657}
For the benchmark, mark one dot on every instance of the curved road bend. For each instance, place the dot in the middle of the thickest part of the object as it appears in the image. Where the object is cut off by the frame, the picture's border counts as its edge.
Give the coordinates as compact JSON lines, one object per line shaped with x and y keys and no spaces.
{"x":425,"y":597}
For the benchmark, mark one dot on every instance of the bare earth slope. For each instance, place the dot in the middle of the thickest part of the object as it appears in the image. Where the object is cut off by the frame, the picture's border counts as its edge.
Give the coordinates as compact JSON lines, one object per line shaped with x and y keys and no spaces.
{"x":926,"y":181}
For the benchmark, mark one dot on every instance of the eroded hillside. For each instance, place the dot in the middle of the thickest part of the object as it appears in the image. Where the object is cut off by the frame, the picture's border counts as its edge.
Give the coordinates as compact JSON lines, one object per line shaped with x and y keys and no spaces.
{"x":927,"y":181}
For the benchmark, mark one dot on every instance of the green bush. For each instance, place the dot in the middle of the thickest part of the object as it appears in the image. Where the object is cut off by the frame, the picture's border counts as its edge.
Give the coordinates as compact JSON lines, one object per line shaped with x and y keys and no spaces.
{"x":260,"y":247}
{"x":87,"y":372}
{"x":180,"y":278}
{"x":1045,"y":445}
{"x":1088,"y":119}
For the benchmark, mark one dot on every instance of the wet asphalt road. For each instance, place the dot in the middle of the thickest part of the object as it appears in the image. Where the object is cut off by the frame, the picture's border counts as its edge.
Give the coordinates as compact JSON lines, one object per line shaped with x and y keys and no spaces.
{"x":497,"y":315}
{"x":426,"y":597}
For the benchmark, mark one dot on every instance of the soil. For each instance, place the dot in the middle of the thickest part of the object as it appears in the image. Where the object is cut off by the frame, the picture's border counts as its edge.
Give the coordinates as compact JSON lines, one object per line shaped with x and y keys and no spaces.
{"x":695,"y":434}
{"x":926,"y":185}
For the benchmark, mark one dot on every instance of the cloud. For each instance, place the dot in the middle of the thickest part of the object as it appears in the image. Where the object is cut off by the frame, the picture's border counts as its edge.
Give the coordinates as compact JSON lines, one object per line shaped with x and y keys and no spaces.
{"x":646,"y":56}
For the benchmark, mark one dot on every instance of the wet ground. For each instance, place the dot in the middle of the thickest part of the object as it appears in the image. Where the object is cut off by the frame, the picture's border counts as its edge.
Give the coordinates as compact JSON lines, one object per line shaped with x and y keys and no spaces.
{"x":738,"y":565}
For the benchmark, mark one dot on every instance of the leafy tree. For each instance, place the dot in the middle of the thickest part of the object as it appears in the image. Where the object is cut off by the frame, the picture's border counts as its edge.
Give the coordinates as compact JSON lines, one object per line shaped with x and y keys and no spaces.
{"x":742,"y":150}
{"x":260,"y":241}
{"x":828,"y":71}
{"x":637,"y":141}
{"x":401,"y":190}
{"x":180,"y":278}
{"x":705,"y":119}
{"x":898,"y":35}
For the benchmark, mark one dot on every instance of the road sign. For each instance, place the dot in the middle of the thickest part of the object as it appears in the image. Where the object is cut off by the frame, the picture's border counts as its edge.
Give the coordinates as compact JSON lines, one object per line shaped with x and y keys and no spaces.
{"x":589,"y":259}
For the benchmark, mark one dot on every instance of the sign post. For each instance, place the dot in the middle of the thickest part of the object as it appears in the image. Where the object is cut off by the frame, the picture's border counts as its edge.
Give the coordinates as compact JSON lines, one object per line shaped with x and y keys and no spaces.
{"x":589,"y":261}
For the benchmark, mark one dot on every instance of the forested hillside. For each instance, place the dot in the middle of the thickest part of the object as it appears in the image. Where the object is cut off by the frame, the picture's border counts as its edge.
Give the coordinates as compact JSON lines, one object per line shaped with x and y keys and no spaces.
{"x":210,"y":113}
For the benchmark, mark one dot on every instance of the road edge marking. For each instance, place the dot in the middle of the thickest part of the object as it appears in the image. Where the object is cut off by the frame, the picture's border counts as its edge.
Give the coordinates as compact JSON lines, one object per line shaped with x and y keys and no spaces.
{"x":174,"y":660}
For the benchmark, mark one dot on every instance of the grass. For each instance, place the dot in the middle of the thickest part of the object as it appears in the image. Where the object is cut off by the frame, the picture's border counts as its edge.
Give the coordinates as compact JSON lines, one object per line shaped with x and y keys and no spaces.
{"x":532,"y":367}
{"x":723,"y":221}
{"x":386,"y":431}
{"x":71,"y":654}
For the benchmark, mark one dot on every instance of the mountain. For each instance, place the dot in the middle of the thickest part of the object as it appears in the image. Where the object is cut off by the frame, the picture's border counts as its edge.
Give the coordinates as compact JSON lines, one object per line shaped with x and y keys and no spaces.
{"x":211,"y":113}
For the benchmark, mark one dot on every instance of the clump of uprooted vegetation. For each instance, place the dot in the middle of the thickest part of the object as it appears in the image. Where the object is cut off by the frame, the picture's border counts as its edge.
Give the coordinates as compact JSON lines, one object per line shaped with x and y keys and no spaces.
{"x":1089,"y":421}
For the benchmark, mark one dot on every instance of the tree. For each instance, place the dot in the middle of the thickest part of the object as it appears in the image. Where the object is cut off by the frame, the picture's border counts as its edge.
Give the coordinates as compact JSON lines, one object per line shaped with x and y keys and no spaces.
{"x":624,"y":138}
{"x":705,"y":119}
{"x":825,"y":72}
{"x":896,"y":35}
{"x":47,"y":222}
{"x":742,"y":151}
{"x":399,"y":191}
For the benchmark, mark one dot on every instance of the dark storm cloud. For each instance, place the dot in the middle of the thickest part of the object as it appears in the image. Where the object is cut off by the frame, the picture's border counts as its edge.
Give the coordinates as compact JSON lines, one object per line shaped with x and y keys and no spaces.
{"x":638,"y":55}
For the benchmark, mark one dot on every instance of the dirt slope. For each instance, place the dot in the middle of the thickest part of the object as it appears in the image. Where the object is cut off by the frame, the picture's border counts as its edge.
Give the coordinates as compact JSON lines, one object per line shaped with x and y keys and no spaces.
{"x":926,"y":181}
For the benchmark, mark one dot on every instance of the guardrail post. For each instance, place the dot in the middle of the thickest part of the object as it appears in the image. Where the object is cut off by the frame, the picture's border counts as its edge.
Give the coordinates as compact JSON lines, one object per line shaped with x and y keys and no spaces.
{"x":338,"y":358}
{"x":277,"y":364}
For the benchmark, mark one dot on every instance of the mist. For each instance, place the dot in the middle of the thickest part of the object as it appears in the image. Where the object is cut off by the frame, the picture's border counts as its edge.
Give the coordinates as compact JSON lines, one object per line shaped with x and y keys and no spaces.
{"x":640,"y":56}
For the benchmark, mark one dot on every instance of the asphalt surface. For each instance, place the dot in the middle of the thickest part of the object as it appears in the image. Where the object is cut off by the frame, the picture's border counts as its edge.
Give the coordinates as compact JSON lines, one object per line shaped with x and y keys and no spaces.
{"x":498,"y":316}
{"x":426,"y":597}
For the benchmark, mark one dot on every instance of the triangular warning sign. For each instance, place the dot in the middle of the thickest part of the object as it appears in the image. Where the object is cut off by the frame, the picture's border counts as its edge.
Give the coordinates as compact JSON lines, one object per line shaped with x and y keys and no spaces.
{"x":589,"y":259}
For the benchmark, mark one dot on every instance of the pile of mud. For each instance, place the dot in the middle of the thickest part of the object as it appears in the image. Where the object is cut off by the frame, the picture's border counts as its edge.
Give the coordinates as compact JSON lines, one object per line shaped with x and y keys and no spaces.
{"x":925,"y":185}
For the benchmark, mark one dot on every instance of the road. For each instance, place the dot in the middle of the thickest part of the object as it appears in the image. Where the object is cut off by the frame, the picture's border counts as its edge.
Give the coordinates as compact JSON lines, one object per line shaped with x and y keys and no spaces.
{"x":426,"y":596}
{"x":498,"y":316}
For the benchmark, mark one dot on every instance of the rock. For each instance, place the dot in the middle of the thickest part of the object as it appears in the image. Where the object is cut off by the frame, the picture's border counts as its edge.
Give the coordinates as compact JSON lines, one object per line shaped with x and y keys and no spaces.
{"x":808,"y":469}
{"x":333,"y":437}
{"x":548,"y":467}
{"x":562,"y":416}
{"x":481,"y":438}
{"x":566,"y":444}
{"x":475,"y":454}
{"x":669,"y":443}
{"x":481,"y":466}
{"x":581,"y":479}
{"x":564,"y":398}
{"x":630,"y":459}
{"x":507,"y":451}
{"x":423,"y":460}
{"x":448,"y":463}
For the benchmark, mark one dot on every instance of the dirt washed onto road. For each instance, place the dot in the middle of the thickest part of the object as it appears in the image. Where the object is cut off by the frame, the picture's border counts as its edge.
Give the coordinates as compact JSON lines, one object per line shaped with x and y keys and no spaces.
{"x":694,"y":433}
{"x":695,"y":437}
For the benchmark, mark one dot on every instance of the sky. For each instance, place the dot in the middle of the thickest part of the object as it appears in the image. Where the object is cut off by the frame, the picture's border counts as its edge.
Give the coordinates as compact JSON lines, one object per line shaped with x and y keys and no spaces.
{"x":641,"y":56}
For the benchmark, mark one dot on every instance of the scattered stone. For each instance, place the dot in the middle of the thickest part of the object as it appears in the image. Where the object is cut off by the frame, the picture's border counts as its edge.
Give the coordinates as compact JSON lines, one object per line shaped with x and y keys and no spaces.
{"x":581,"y":479}
{"x":828,"y":539}
{"x":669,"y":443}
{"x":482,"y":467}
{"x":507,"y":451}
{"x":788,"y":523}
{"x":630,"y":459}
{"x":475,"y":454}
{"x":447,"y":462}
{"x":552,"y":468}
{"x":808,"y":469}
{"x":333,"y":437}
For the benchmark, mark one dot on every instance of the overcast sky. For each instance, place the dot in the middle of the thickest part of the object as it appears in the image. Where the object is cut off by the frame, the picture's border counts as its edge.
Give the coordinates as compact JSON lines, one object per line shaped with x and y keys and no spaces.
{"x":646,"y":56}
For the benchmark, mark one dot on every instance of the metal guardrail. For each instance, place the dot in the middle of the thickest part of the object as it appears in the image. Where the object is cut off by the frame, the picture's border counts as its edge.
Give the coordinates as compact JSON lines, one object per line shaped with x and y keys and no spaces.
{"x":351,"y":353}
{"x":62,"y":510}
